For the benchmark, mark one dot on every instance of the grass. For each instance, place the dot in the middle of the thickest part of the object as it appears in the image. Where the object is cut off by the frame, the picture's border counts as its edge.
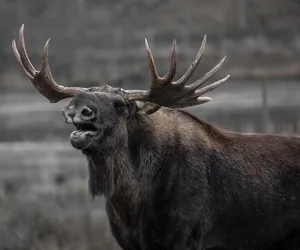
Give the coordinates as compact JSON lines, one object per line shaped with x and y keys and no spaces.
{"x":48,"y":224}
{"x":60,"y":217}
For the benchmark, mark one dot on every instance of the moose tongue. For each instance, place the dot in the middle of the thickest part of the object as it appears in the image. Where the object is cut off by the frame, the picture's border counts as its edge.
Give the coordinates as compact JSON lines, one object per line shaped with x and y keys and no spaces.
{"x":83,"y":132}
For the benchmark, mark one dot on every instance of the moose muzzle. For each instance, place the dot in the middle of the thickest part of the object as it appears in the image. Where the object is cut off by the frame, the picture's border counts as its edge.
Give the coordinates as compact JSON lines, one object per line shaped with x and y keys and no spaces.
{"x":73,"y":115}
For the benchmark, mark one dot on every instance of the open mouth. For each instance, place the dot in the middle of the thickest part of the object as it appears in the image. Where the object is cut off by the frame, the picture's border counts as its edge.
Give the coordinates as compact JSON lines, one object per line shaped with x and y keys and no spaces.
{"x":84,"y":135}
{"x":83,"y":129}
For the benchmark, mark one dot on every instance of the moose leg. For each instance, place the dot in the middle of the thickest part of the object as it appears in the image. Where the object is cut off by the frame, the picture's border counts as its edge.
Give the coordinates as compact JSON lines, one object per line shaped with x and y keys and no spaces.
{"x":122,"y":235}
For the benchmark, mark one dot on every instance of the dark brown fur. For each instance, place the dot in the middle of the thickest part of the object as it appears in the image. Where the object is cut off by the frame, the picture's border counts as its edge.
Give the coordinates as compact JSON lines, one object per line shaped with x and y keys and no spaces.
{"x":172,"y":181}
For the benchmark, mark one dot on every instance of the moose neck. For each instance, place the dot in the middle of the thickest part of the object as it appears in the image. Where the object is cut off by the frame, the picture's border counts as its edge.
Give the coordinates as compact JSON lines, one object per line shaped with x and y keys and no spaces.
{"x":116,"y":171}
{"x":122,"y":169}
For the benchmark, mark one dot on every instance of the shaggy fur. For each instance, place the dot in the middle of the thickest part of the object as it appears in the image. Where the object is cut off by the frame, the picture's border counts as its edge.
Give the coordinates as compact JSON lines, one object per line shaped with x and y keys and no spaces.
{"x":174,"y":182}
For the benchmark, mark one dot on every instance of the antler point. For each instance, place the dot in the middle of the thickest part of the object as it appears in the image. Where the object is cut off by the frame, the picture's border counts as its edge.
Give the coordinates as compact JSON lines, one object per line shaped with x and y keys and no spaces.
{"x":47,"y":43}
{"x":21,"y":31}
{"x":204,"y":40}
{"x":203,"y":100}
{"x":147,"y":46}
{"x":174,"y":45}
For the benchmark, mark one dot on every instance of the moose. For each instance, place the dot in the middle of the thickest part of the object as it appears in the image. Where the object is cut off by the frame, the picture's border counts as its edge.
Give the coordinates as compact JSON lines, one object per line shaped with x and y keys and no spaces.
{"x":170,"y":180}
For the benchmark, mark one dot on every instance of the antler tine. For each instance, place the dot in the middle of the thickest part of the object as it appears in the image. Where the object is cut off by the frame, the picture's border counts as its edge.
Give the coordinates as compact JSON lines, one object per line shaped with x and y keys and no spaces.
{"x":155,"y":78}
{"x":182,"y":80}
{"x":42,"y":80}
{"x":45,"y":68}
{"x":45,"y":62}
{"x":22,"y":56}
{"x":23,"y":53}
{"x":30,"y":74}
{"x":206,"y":77}
{"x":176,"y":94}
{"x":211,"y":86}
{"x":172,"y":71}
{"x":153,"y":72}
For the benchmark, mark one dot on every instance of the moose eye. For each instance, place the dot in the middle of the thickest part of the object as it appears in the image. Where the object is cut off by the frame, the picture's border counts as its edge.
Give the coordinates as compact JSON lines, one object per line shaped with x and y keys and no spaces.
{"x":119,"y":103}
{"x":120,"y":106}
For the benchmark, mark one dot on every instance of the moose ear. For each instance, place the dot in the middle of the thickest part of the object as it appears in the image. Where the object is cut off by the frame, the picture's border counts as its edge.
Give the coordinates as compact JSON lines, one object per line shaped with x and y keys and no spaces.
{"x":146,"y":108}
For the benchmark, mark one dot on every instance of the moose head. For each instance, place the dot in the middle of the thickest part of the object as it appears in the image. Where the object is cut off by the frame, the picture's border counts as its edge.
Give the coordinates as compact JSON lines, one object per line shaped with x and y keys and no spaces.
{"x":101,"y":114}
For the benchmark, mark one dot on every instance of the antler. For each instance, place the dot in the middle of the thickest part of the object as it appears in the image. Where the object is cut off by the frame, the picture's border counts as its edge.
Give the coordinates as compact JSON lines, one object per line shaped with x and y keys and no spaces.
{"x":42,"y":80}
{"x":163,"y":91}
{"x":176,"y":94}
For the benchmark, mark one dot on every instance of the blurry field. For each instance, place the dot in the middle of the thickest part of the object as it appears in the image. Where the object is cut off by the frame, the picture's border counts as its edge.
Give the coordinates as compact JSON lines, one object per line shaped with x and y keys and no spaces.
{"x":44,"y":202}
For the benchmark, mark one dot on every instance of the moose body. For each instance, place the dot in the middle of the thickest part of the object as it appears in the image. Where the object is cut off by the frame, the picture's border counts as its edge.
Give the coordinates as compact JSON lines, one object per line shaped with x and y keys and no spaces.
{"x":170,"y":180}
{"x":183,"y":184}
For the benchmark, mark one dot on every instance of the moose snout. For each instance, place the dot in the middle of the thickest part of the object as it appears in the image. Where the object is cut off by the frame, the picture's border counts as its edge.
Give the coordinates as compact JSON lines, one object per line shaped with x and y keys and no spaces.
{"x":77,"y":115}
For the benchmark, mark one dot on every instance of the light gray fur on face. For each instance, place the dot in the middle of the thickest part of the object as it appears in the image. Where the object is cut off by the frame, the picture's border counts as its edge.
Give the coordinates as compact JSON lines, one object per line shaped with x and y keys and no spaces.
{"x":147,"y":108}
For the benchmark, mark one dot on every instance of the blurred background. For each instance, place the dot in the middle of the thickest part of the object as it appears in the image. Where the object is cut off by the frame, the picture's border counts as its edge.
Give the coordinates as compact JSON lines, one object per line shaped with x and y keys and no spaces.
{"x":44,"y":200}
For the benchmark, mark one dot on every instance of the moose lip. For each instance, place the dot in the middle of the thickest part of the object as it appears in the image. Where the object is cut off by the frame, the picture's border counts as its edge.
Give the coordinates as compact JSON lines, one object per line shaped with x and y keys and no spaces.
{"x":83,"y":129}
{"x":85,"y":134}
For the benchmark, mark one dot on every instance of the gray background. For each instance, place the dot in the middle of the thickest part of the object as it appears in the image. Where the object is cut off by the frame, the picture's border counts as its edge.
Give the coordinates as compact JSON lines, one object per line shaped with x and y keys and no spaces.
{"x":44,"y":202}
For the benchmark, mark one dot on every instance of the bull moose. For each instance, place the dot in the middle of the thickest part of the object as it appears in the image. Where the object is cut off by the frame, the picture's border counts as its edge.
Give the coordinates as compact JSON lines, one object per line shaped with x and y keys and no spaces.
{"x":170,"y":180}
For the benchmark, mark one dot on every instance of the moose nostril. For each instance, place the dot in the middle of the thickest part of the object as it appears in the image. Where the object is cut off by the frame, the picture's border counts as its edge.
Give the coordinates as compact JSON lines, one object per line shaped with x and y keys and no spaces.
{"x":86,"y":112}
